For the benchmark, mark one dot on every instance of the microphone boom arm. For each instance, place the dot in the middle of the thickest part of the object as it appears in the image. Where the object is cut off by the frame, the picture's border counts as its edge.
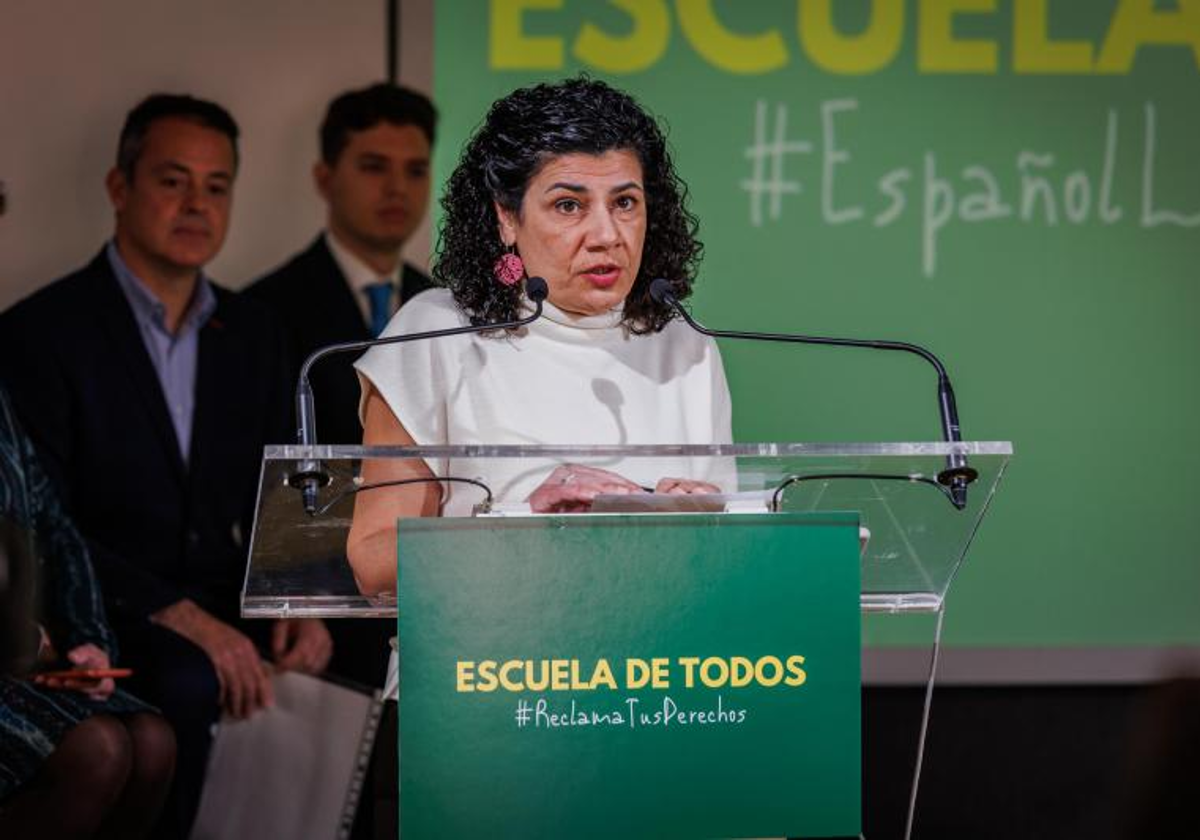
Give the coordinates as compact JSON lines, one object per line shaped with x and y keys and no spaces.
{"x":957,"y":474}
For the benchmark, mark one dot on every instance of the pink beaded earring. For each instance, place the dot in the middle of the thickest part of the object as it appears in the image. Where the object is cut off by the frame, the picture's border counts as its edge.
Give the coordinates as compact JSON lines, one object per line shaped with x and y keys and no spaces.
{"x":509,"y":269}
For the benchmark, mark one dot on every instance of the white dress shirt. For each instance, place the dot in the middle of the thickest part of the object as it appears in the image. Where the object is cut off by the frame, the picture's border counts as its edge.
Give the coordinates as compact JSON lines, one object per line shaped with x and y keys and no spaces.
{"x":359,"y":275}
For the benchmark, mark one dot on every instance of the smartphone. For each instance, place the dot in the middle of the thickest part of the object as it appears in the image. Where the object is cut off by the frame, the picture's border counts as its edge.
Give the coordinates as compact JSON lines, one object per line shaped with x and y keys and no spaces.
{"x":85,"y":674}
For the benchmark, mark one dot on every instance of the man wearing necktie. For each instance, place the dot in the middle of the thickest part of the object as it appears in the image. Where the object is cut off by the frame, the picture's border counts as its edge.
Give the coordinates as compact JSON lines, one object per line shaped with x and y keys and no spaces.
{"x":374,"y":177}
{"x":380,"y":295}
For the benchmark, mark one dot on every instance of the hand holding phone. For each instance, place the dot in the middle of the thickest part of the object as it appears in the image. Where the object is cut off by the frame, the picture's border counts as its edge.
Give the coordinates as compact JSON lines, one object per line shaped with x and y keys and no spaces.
{"x":83,"y":674}
{"x":93,"y":674}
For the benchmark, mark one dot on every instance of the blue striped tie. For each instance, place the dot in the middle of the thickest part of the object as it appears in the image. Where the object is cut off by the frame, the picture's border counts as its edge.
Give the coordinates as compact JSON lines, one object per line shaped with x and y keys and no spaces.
{"x":380,"y":296}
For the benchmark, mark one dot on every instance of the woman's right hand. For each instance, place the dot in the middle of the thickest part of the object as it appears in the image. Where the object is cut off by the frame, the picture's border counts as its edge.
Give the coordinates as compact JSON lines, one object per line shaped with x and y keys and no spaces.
{"x":571,"y":488}
{"x":85,"y":657}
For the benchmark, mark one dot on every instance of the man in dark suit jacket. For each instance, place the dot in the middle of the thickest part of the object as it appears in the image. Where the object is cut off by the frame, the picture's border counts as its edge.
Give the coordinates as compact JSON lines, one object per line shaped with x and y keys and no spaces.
{"x":311,"y":296}
{"x":374,"y":177}
{"x":150,"y":393}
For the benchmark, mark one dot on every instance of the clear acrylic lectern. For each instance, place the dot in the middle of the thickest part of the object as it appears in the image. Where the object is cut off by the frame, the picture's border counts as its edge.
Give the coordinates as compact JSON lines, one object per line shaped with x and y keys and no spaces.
{"x":913,"y":538}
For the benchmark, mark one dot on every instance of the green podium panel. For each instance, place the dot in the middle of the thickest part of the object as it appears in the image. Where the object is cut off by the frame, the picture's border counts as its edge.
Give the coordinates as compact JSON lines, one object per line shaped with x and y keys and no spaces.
{"x":633,"y":676}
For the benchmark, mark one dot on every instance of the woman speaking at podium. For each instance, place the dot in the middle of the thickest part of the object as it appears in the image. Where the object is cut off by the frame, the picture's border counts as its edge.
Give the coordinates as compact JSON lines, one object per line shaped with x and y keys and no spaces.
{"x":571,"y":182}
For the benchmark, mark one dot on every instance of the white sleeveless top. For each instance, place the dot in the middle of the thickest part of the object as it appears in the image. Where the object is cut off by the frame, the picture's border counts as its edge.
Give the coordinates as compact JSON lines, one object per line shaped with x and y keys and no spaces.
{"x":562,"y":380}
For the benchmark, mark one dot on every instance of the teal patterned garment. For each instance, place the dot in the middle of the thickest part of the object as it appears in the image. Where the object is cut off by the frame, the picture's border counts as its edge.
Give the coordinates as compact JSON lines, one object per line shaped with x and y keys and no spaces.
{"x":33,"y":719}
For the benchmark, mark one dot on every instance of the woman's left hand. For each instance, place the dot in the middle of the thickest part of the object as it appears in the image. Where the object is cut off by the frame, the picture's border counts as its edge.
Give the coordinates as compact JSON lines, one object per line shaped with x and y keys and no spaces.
{"x":681,"y":486}
{"x":84,"y":657}
{"x":571,"y":488}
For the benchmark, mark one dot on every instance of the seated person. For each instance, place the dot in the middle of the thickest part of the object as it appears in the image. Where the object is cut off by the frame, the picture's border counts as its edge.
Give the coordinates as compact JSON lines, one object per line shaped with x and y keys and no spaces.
{"x":150,"y":408}
{"x":78,"y":758}
{"x":373,"y":175}
{"x":374,"y":178}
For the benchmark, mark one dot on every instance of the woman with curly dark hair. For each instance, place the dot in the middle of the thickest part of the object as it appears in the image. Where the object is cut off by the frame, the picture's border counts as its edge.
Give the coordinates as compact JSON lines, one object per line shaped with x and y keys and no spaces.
{"x":571,"y":182}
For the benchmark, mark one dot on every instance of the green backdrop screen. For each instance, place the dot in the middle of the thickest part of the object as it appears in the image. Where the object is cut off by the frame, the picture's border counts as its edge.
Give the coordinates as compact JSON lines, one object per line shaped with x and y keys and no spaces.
{"x":1012,"y":183}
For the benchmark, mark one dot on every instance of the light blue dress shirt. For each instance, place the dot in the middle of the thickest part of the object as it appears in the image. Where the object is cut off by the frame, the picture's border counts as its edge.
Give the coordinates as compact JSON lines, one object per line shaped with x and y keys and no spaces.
{"x":173,"y":355}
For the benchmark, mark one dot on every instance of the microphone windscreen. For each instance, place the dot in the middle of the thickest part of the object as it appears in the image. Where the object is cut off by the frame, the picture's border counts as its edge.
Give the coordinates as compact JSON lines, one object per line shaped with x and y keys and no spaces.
{"x":660,"y":290}
{"x":536,"y":289}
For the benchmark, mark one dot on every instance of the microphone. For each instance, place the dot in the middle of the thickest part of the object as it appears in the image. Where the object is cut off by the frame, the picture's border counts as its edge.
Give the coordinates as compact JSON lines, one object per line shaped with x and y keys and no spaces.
{"x":309,"y":476}
{"x":957,"y":474}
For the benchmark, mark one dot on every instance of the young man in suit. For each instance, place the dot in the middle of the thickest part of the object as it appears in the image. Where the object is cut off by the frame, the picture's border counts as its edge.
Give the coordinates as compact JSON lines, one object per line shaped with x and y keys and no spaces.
{"x":151,"y":392}
{"x":373,"y":175}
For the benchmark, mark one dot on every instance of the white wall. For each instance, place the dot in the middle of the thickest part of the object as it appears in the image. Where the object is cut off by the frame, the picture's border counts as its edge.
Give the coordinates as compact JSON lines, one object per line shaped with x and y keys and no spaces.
{"x":416,"y":70}
{"x":69,"y":71}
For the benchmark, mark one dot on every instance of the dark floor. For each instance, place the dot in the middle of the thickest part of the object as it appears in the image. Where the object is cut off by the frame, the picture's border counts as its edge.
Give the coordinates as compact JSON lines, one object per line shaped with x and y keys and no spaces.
{"x":1025,"y":763}
{"x":1035,"y":762}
